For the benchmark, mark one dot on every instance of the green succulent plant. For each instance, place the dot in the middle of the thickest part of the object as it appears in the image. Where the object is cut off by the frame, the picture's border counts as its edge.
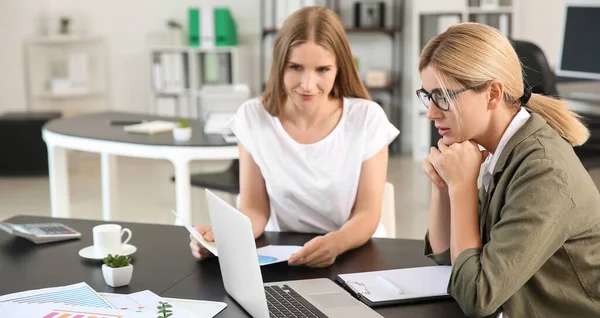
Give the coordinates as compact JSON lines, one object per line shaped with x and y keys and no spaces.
{"x":117,"y":261}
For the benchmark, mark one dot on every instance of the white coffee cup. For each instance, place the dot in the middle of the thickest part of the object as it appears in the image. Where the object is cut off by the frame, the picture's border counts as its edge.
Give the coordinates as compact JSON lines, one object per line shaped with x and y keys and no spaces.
{"x":108,"y":238}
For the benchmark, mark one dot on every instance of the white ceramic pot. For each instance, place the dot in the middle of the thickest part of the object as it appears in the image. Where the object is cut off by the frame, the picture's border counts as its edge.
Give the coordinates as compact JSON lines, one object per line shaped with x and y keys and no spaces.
{"x":117,"y":277}
{"x":182,"y":134}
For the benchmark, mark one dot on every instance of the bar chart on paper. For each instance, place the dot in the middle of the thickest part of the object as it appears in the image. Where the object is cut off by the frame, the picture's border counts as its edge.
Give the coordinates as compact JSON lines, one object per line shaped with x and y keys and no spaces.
{"x":73,"y":314}
{"x":74,"y":295}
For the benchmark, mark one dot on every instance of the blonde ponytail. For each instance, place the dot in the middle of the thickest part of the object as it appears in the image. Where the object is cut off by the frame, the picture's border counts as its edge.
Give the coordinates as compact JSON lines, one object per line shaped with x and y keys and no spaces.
{"x":473,"y":54}
{"x":565,"y":122}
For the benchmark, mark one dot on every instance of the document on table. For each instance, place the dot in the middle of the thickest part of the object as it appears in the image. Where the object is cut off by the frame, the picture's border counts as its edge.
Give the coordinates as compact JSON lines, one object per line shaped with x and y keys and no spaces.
{"x":398,"y":285}
{"x":49,"y":310}
{"x":80,"y":294}
{"x":81,"y":301}
{"x":147,"y":302}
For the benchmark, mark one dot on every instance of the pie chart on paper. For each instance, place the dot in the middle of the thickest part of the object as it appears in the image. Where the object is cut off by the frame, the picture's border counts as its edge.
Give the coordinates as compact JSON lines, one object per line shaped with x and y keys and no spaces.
{"x":275,"y":253}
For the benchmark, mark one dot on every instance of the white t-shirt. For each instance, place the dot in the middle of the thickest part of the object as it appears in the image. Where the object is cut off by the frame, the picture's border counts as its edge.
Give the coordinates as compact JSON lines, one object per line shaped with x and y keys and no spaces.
{"x":312,"y":187}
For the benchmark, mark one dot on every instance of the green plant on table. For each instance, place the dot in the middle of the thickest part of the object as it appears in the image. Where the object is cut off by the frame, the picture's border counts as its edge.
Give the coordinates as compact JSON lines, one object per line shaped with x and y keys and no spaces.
{"x":183,"y":123}
{"x":117,"y":261}
{"x":164,"y":310}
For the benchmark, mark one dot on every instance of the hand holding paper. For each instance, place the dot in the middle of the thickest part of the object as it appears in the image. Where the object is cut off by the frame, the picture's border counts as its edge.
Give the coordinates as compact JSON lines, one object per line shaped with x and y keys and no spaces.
{"x":202,"y":242}
{"x":199,"y":237}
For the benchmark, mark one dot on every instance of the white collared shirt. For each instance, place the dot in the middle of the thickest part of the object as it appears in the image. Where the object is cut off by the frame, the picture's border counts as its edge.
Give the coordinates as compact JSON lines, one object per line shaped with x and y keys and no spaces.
{"x":490,"y":162}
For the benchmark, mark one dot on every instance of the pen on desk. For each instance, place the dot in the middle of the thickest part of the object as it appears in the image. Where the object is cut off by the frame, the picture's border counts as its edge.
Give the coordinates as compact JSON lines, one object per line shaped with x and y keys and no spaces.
{"x":391,"y":285}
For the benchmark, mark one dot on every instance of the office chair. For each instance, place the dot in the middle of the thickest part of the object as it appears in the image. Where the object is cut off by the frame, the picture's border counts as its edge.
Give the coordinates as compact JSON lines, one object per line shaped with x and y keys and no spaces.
{"x":388,"y":210}
{"x":226,"y":181}
{"x":537,"y":72}
{"x":542,"y":80}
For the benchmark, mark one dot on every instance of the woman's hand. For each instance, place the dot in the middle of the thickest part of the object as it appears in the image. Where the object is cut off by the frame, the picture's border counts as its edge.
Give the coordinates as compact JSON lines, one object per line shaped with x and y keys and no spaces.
{"x":430,"y":169}
{"x":197,"y":249}
{"x":318,"y":252}
{"x":459,"y":163}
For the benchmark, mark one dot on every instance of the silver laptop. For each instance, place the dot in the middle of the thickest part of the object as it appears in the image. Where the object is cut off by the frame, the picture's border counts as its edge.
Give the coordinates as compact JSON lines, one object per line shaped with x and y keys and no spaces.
{"x":243,"y":280}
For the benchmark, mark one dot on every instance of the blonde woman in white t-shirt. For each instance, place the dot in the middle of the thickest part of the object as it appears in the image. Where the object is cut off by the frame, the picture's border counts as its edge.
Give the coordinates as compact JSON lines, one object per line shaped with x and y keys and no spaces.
{"x":313,"y":148}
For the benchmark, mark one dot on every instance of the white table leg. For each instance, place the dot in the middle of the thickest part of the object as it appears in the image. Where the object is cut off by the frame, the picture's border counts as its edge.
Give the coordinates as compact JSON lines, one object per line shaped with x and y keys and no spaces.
{"x":58,"y":175}
{"x":183,"y":190}
{"x":109,"y":188}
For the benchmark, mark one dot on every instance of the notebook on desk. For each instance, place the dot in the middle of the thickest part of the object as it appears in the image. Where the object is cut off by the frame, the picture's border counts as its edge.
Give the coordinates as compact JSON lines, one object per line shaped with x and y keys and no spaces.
{"x":398,"y":286}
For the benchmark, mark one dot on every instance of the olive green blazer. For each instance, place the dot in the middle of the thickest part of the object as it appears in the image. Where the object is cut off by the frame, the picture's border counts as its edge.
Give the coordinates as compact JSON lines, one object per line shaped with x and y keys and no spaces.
{"x":540,"y":228}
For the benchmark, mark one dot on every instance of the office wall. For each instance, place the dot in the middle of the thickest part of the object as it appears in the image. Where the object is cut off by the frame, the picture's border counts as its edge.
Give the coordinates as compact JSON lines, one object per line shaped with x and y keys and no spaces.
{"x":540,"y":22}
{"x":126,"y":25}
{"x":17,"y":20}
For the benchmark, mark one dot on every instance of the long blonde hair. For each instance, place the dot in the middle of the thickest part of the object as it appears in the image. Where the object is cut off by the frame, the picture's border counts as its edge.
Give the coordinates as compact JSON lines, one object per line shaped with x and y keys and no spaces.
{"x":321,"y":25}
{"x":473,"y":54}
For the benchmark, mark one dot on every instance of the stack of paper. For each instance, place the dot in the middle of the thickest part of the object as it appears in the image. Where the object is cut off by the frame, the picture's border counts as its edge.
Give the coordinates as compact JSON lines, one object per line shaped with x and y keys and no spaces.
{"x":81,"y":301}
{"x":151,"y":127}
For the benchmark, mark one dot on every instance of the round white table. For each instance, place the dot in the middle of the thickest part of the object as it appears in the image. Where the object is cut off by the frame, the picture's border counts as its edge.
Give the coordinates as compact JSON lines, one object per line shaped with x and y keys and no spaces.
{"x":95,"y":133}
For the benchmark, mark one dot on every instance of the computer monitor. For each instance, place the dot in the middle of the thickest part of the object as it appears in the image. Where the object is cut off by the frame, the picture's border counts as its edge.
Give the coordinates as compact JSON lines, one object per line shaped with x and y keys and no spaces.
{"x":579,"y":54}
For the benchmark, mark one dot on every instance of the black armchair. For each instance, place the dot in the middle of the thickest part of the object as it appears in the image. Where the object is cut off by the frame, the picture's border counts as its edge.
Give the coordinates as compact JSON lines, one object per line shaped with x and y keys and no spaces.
{"x":542,"y":80}
{"x":538,"y":74}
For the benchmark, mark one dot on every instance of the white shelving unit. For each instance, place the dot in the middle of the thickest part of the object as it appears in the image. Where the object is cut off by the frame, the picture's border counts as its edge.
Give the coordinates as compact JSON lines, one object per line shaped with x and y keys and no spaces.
{"x":424,"y":19}
{"x":67,"y":74}
{"x":178,"y":73}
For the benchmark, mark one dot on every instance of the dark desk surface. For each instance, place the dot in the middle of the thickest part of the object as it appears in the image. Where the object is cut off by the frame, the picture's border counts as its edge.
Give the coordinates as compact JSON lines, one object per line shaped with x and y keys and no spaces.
{"x":159,"y":262}
{"x":97,"y":126}
{"x":164,"y":265}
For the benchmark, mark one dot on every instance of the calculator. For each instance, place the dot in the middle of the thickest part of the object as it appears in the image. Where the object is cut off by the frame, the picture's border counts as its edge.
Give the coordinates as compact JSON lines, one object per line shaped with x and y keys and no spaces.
{"x":41,"y":232}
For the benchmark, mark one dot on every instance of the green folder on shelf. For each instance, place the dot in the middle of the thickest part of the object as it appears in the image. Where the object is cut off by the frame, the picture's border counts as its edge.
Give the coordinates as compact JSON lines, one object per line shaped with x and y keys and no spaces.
{"x":194,"y":27}
{"x":202,"y":32}
{"x":225,"y":28}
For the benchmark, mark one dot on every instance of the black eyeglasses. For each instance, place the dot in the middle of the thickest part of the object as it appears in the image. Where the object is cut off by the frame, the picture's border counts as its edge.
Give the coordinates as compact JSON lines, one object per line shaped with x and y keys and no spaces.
{"x":439,"y":98}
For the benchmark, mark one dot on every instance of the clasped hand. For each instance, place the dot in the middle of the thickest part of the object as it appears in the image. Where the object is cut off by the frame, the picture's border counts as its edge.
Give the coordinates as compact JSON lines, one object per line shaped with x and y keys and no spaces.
{"x":454,"y":165}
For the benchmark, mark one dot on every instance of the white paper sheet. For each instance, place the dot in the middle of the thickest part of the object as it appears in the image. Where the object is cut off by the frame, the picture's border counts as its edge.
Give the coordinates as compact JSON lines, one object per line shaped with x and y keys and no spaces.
{"x":80,"y":294}
{"x":147,"y":301}
{"x":211,"y":246}
{"x":272,"y":254}
{"x":396,"y":284}
{"x":49,"y":310}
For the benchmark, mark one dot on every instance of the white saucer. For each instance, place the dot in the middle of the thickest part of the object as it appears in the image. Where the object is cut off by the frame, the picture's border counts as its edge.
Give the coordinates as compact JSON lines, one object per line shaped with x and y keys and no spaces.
{"x":91,"y":253}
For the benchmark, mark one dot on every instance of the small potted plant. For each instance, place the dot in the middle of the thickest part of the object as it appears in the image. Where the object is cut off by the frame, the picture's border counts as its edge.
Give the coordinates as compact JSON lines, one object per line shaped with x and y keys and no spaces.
{"x":183,"y":131}
{"x":175,"y":32}
{"x":117,"y":270}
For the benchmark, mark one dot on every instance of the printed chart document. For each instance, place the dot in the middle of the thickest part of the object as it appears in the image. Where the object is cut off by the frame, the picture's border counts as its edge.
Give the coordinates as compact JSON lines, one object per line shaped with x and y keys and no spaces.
{"x":398,"y":285}
{"x":81,"y":301}
{"x":80,"y":294}
{"x":147,"y":301}
{"x":49,"y":310}
{"x":270,"y":254}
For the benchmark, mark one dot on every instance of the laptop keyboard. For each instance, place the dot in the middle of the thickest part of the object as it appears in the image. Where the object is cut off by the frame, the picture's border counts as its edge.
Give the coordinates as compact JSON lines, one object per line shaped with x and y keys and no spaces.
{"x":285,"y":302}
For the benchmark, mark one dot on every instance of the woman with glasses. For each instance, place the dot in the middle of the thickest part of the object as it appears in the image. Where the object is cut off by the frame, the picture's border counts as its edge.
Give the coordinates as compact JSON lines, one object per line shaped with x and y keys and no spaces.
{"x":313,"y":148}
{"x":528,"y":241}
